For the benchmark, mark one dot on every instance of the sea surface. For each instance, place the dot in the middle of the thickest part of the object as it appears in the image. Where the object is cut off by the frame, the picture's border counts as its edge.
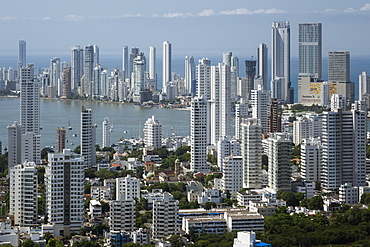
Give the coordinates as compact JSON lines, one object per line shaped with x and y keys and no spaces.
{"x":128,"y":120}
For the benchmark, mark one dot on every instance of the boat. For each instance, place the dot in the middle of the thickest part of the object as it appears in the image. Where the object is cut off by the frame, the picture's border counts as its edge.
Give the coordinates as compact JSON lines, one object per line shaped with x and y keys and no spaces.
{"x":74,"y":135}
{"x":69,"y":125}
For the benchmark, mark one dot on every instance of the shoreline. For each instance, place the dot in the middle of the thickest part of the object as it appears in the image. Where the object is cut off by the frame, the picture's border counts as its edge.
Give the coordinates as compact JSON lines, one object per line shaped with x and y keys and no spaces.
{"x":106,"y":102}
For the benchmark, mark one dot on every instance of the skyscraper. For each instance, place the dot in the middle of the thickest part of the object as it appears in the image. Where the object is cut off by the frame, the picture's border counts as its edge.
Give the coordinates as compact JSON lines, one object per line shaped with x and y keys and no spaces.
{"x":166,"y":65}
{"x":251,"y":149}
{"x":30,"y":101}
{"x":189,"y":74}
{"x":30,"y":115}
{"x":281,"y":59}
{"x":339,"y":66}
{"x":203,"y":78}
{"x":23,"y":194}
{"x":153,"y":133}
{"x":125,"y":63}
{"x":89,"y":63}
{"x":21,"y":55}
{"x":106,"y":132}
{"x":344,"y":147}
{"x":279,"y":155}
{"x":199,"y":135}
{"x":152,"y":63}
{"x":250,"y":72}
{"x":134,"y":52}
{"x":67,"y":82}
{"x":138,"y":77}
{"x":310,"y":50}
{"x":262,"y":64}
{"x":364,"y":85}
{"x":61,"y":139}
{"x":64,"y":177}
{"x":14,"y":144}
{"x":77,"y":65}
{"x":88,"y":138}
{"x":55,"y":75}
{"x":260,"y":100}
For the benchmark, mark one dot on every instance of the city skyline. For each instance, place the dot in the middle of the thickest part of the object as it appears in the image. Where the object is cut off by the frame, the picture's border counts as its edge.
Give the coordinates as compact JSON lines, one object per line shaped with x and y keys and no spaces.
{"x":195,"y":24}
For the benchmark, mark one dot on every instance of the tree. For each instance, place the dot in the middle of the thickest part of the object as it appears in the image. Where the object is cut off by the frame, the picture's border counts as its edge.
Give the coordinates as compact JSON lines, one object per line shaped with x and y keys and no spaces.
{"x":29,"y":243}
{"x":77,"y":149}
{"x":90,"y":173}
{"x":365,"y":198}
{"x":140,"y":172}
{"x":209,"y":205}
{"x":316,"y":203}
{"x":176,"y":241}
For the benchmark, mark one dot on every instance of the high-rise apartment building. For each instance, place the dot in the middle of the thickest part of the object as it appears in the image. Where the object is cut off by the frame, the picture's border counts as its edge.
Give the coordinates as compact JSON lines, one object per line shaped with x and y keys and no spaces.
{"x":232,"y":179}
{"x":310,"y":50}
{"x":89,"y":63}
{"x":339,"y":66}
{"x":88,"y":138}
{"x":55,"y":73}
{"x":122,"y":216}
{"x":77,"y":67}
{"x":226,"y":147}
{"x":279,"y":155}
{"x":262,"y":71}
{"x":127,"y":188}
{"x":344,"y":147}
{"x":67,"y":81}
{"x":153,"y":133}
{"x":364,"y":86}
{"x":165,"y":217}
{"x":204,"y":78}
{"x":61,"y":139}
{"x":166,"y":65}
{"x":189,"y":74}
{"x":241,"y":113}
{"x":251,"y":149}
{"x":30,"y":101}
{"x":199,"y":134}
{"x":260,"y":100}
{"x":226,"y":58}
{"x":152,"y":63}
{"x":106,"y":127}
{"x":14,"y":144}
{"x":281,"y":60}
{"x":64,"y":176}
{"x":125,"y":63}
{"x":250,"y":72}
{"x":311,"y":155}
{"x":134,"y":53}
{"x":138,"y":76}
{"x":274,"y":116}
{"x":21,"y":55}
{"x":23,"y":194}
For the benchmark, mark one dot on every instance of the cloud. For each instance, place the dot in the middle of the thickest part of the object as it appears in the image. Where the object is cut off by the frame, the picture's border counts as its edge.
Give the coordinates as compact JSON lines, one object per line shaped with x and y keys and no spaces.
{"x":350,"y":10}
{"x":174,"y":15}
{"x":73,"y":18}
{"x":207,"y":12}
{"x":366,"y":7}
{"x":8,"y":18}
{"x":47,"y":18}
{"x":127,"y":16}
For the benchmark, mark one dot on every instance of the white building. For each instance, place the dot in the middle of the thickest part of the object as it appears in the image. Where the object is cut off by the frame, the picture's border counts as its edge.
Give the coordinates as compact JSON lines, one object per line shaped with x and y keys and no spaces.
{"x":210,"y":195}
{"x":106,"y":127}
{"x":279,"y":155}
{"x":248,"y":239}
{"x":232,"y":179}
{"x":101,"y":193}
{"x":306,"y":126}
{"x":95,"y":209}
{"x":311,"y":155}
{"x":364,"y":85}
{"x":251,"y":146}
{"x":122,"y":215}
{"x":64,"y":177}
{"x":189,"y":74}
{"x":241,"y":112}
{"x":165,"y":214}
{"x":204,"y":78}
{"x":262,"y":64}
{"x":310,"y":50}
{"x":127,"y":188}
{"x":23,"y":194}
{"x":140,"y":236}
{"x":152,"y":65}
{"x":338,"y":101}
{"x":260,"y":100}
{"x":88,"y":138}
{"x":199,"y":134}
{"x":226,"y":147}
{"x":281,"y":59}
{"x":14,"y":144}
{"x":348,"y":194}
{"x":76,"y":67}
{"x":166,"y":65}
{"x":344,"y":147}
{"x":153,"y":133}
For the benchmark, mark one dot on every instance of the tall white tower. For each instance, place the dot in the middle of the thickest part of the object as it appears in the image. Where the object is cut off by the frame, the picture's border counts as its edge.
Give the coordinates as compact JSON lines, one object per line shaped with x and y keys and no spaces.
{"x":204,"y":78}
{"x":21,"y":55}
{"x":23,"y":194}
{"x":189,"y":74}
{"x":64,"y":177}
{"x":262,"y":64}
{"x":260,"y":100}
{"x":55,"y":74}
{"x":364,"y":85}
{"x":251,"y":149}
{"x":88,"y":138}
{"x":166,"y":65}
{"x":310,"y":50}
{"x":152,"y":63}
{"x":106,"y":132}
{"x":14,"y":144}
{"x":125,"y":63}
{"x":77,"y":65}
{"x":281,"y":57}
{"x":153,"y":133}
{"x":279,"y":155}
{"x":199,"y":135}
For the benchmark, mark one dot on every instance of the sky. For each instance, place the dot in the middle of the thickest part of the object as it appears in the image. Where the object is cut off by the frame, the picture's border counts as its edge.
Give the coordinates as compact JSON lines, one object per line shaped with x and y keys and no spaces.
{"x":193,"y":27}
